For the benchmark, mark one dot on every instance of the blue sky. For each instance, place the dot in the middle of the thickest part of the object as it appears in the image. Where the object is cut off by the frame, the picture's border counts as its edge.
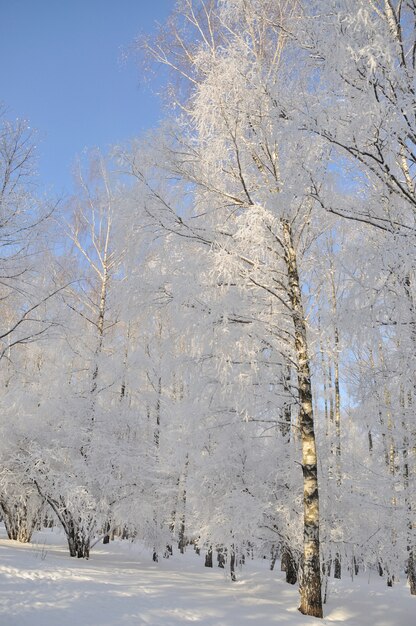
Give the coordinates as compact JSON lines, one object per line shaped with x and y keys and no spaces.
{"x":62,"y":69}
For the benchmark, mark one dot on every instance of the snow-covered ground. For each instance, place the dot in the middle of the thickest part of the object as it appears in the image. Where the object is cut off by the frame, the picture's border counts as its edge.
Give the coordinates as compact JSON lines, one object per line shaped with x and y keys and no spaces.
{"x":40,"y":585}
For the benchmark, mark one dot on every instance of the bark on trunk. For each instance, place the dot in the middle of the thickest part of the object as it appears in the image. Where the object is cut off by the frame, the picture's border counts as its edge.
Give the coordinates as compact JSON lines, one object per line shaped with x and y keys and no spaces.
{"x":408,"y":445}
{"x":411,"y":572}
{"x":78,"y":535}
{"x":286,"y":426}
{"x":232,"y":565}
{"x":182,"y":538}
{"x":17,"y":528}
{"x":102,"y":308}
{"x":18,"y":523}
{"x":411,"y":563}
{"x":337,"y":413}
{"x":79,"y":545}
{"x":289,"y":566}
{"x":337,"y":567}
{"x":78,"y":539}
{"x":106,"y":538}
{"x":208,"y":558}
{"x":356,"y":567}
{"x":310,"y":585}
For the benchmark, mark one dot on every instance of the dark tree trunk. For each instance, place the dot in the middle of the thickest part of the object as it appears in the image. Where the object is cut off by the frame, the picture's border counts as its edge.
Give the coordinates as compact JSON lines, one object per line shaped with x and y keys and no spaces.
{"x":355,"y":566}
{"x":232,"y":565}
{"x":106,"y":538}
{"x":182,"y":542}
{"x":208,"y":558}
{"x":168,"y":552}
{"x":411,"y":572}
{"x":291,"y":570}
{"x":411,"y":565}
{"x":288,"y":565}
{"x":273,"y":558}
{"x":78,"y":540}
{"x":182,"y":538}
{"x":370,"y":442}
{"x":337,"y":567}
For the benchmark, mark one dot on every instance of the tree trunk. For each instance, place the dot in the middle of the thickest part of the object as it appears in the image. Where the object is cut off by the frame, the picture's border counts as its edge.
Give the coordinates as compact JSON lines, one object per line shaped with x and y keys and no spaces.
{"x":337,"y":412}
{"x":337,"y":566}
{"x":77,"y":538}
{"x":289,"y":566}
{"x":17,"y":527}
{"x":286,"y":426}
{"x":310,"y":584}
{"x":221,"y":557}
{"x":411,"y":559}
{"x":356,"y":567}
{"x":106,"y":538}
{"x":78,"y":535}
{"x":411,"y":572}
{"x":182,"y":538}
{"x":232,"y":565}
{"x":17,"y":521}
{"x":208,"y":558}
{"x":411,"y":564}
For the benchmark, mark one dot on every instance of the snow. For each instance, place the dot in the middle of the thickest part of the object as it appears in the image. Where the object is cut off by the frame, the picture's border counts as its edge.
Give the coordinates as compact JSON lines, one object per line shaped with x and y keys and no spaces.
{"x":40,"y":585}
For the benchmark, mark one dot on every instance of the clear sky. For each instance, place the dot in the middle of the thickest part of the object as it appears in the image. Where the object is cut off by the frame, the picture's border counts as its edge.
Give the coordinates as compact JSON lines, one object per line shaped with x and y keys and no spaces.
{"x":62,"y":69}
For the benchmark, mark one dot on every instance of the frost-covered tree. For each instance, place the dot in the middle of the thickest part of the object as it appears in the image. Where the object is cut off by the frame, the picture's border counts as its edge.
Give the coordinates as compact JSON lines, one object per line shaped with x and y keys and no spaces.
{"x":362,"y":57}
{"x":27,"y":291}
{"x":251,"y":186}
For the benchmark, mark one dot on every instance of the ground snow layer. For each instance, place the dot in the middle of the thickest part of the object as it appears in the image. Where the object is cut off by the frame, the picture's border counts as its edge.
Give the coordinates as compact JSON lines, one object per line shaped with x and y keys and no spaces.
{"x":40,"y":585}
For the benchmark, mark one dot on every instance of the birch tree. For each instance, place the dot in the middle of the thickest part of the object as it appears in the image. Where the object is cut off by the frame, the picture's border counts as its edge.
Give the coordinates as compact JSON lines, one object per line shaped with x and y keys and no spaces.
{"x":238,"y":155}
